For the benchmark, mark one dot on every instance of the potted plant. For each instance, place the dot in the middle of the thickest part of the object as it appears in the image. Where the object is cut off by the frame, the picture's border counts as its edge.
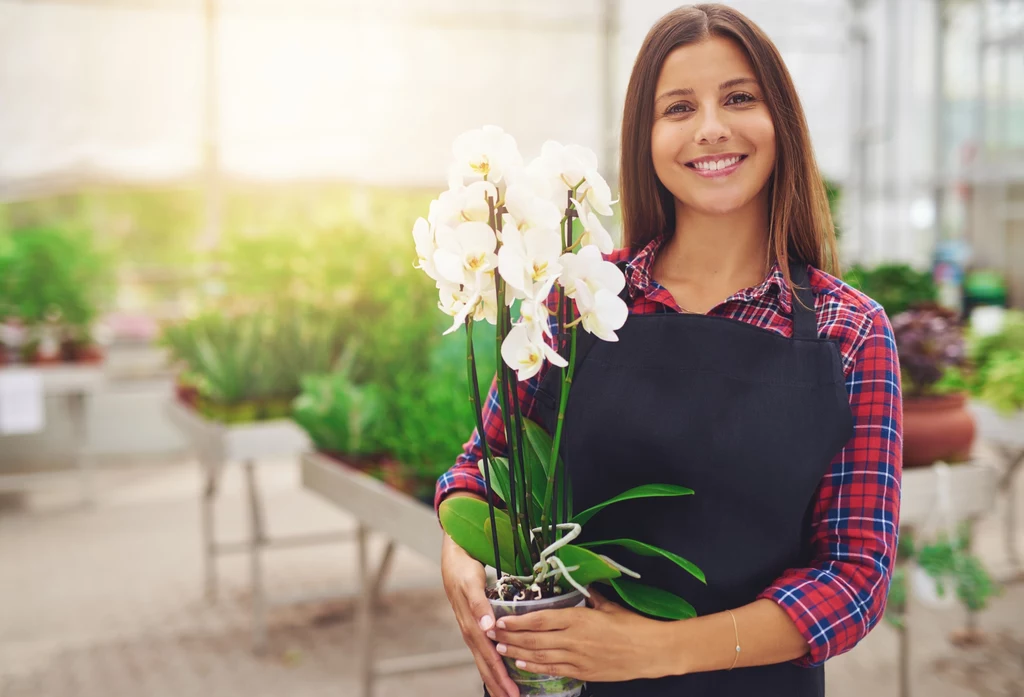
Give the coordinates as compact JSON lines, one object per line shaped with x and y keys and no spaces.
{"x":500,"y":239}
{"x":936,"y":423}
{"x":896,"y":287}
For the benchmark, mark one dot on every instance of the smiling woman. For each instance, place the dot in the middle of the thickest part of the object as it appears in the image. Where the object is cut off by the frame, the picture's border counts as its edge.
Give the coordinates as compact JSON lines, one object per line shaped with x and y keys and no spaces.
{"x":743,"y":371}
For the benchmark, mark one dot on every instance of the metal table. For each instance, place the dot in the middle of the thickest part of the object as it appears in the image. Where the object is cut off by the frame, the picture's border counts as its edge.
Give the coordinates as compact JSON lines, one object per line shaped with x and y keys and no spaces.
{"x":216,"y":444}
{"x":75,"y":384}
{"x":1006,"y":435}
{"x":401,"y":520}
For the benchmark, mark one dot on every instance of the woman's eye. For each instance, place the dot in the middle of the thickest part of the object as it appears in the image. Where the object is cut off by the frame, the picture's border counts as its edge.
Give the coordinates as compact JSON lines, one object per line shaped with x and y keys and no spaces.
{"x":739,"y":98}
{"x":678,"y":109}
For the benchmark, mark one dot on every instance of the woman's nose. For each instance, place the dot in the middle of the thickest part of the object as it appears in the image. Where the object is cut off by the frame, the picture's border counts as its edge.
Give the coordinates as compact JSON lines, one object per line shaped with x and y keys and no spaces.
{"x":711,"y":129}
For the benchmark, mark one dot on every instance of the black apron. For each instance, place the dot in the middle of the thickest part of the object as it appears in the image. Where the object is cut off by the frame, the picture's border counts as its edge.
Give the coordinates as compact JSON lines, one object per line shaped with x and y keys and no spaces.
{"x":748,"y":419}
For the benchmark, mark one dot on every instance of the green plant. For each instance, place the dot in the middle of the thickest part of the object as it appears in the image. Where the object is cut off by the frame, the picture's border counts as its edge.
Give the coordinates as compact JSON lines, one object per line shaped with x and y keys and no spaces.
{"x":340,"y":416}
{"x":948,"y":561}
{"x":896,"y":287}
{"x":54,"y":274}
{"x":999,"y":364}
{"x":251,"y":365}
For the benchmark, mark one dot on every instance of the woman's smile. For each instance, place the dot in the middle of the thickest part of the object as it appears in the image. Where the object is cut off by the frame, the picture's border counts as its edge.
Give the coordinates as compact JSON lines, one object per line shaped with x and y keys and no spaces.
{"x":716,"y":166}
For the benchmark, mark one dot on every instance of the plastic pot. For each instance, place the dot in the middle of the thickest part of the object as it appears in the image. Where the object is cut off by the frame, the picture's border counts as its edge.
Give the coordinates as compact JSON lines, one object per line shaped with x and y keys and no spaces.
{"x":534,"y":684}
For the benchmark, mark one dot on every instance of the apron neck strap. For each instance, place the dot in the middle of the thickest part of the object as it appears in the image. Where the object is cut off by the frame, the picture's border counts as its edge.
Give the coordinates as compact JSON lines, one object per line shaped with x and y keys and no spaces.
{"x":805,"y":320}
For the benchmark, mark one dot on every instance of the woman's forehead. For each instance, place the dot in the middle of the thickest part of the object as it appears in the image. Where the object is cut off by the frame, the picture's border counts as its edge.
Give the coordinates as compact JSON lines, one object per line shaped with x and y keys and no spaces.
{"x":709,"y":64}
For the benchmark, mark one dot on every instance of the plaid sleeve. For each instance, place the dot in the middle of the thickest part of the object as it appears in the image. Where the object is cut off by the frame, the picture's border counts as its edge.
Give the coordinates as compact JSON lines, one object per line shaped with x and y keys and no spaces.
{"x":841,"y":595}
{"x":465,"y":474}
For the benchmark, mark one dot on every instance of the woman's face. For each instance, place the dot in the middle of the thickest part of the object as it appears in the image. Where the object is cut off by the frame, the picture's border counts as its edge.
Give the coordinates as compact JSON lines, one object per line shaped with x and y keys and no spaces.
{"x":713,"y":141}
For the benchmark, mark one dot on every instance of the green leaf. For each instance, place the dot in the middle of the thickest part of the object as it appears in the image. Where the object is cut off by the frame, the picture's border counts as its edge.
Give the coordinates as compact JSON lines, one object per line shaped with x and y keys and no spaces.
{"x":498,"y":476}
{"x":592,"y":567}
{"x":647,"y":550}
{"x":467,"y":521}
{"x":538,"y":456}
{"x":540,"y":443}
{"x":525,"y":566}
{"x":644,"y":491}
{"x":652,"y":601}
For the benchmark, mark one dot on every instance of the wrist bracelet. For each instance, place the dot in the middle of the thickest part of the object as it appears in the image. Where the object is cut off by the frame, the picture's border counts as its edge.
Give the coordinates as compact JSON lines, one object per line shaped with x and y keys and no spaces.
{"x":736,"y":630}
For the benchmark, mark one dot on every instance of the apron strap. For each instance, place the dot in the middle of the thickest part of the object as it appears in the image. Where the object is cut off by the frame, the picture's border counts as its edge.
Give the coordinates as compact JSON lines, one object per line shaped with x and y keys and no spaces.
{"x":805,"y":320}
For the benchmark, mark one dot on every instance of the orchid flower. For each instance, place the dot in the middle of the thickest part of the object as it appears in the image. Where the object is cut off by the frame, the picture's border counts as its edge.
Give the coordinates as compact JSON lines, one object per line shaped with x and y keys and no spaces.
{"x":524,"y":350}
{"x":464,"y":251}
{"x":529,"y":261}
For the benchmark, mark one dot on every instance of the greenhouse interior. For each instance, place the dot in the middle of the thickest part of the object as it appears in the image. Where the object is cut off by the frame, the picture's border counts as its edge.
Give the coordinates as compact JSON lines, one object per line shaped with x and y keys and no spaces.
{"x":227,"y":394}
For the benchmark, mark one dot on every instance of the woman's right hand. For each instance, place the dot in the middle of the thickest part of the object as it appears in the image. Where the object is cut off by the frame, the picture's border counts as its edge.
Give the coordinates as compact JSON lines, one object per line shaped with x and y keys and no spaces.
{"x":464,"y":582}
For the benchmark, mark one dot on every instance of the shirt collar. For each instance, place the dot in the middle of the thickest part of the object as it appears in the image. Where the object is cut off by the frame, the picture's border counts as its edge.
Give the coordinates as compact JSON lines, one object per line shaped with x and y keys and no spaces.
{"x":640,"y":282}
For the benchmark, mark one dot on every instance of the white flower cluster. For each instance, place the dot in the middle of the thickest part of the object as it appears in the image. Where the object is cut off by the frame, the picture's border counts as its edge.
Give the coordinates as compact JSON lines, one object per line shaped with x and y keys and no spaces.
{"x":457,"y":246}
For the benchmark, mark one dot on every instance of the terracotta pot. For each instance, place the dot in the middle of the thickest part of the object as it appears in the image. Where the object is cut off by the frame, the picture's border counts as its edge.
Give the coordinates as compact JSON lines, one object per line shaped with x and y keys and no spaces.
{"x":936,"y":428}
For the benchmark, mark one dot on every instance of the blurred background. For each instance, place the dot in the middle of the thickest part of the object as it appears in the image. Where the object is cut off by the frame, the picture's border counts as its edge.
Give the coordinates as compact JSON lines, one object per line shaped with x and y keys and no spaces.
{"x":224,"y":394}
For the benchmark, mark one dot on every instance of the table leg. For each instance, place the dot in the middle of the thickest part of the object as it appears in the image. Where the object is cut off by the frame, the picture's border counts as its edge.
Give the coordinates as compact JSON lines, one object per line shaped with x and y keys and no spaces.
{"x":257,"y":539}
{"x":83,"y":458}
{"x":1013,"y":460}
{"x":367,"y":595}
{"x":208,"y":472}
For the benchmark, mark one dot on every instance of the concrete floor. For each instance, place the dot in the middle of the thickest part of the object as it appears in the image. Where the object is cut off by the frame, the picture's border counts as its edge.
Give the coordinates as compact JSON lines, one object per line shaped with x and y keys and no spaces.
{"x":107,"y":601}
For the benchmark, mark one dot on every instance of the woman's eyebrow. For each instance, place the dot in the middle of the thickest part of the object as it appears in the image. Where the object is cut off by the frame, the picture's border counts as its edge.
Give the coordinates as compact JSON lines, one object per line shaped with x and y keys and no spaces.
{"x":688,"y":91}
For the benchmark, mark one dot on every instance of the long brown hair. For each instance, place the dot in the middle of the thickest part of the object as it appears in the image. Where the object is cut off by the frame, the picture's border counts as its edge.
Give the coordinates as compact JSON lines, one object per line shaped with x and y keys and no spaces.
{"x":800,"y":227}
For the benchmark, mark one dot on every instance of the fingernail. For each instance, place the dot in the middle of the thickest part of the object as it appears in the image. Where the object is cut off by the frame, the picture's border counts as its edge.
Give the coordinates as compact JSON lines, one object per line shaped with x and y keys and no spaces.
{"x":492,"y":635}
{"x":501,"y":624}
{"x":486,"y":621}
{"x":521,"y":664}
{"x":502,"y":648}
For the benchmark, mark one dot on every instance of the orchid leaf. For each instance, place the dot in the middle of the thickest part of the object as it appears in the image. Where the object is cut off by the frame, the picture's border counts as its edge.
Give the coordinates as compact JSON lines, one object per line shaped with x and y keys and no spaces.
{"x":647,"y":550}
{"x":592,"y":567}
{"x":644,"y":491}
{"x":538,"y":459}
{"x":524,"y":566}
{"x":652,"y":601}
{"x":498,"y":475}
{"x":467,"y":521}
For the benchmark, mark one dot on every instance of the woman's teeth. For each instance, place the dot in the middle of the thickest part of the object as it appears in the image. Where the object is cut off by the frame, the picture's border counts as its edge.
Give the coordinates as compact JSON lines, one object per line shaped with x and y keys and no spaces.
{"x":715,"y":165}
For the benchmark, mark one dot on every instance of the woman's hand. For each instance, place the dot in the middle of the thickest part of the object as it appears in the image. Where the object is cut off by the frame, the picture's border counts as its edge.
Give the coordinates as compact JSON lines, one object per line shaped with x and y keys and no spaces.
{"x":602,"y":643}
{"x":464,"y":582}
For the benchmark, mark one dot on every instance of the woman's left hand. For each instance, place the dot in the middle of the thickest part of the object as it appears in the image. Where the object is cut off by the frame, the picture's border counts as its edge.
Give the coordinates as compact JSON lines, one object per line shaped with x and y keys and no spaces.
{"x":602,"y":643}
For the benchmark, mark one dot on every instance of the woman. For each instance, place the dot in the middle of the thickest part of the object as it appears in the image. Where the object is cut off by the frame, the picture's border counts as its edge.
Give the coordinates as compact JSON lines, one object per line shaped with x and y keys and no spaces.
{"x":779,"y":405}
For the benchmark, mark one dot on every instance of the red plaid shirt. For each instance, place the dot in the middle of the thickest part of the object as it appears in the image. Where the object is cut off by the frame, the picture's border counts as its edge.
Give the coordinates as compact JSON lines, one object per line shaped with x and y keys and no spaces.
{"x":841,"y":594}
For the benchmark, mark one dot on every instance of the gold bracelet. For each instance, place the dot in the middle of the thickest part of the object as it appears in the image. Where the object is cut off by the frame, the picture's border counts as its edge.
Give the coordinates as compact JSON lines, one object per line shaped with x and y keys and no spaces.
{"x":736,"y":630}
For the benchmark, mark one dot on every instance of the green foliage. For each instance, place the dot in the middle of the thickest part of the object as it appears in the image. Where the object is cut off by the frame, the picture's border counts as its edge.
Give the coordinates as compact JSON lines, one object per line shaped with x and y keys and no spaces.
{"x":256,"y":356}
{"x":652,"y":601}
{"x":947,"y":561}
{"x":340,"y":416}
{"x":54,"y":273}
{"x":999,"y":365}
{"x":896,"y":287}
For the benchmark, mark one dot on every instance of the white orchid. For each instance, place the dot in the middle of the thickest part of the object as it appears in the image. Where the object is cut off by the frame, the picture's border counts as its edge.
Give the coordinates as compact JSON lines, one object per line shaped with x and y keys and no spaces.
{"x":534,"y":311}
{"x":588,"y":268}
{"x":602,"y":312}
{"x":478,"y":299}
{"x":529,"y":261}
{"x":524,"y":350}
{"x":423,"y":236}
{"x":463,"y":204}
{"x":484,"y":153}
{"x":597,"y":192}
{"x":464,"y":251}
{"x":593,"y":231}
{"x":569,"y":163}
{"x":531,"y":211}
